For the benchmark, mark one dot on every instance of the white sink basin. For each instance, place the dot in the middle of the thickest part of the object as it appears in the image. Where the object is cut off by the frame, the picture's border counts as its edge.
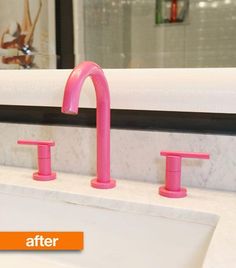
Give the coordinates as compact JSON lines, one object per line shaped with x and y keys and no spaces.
{"x":13,"y":260}
{"x":113,"y":239}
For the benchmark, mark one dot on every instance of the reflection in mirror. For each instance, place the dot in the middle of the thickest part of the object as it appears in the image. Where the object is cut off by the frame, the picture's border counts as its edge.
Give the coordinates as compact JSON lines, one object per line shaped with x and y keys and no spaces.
{"x":27,"y":34}
{"x":118,"y":33}
{"x":128,"y":34}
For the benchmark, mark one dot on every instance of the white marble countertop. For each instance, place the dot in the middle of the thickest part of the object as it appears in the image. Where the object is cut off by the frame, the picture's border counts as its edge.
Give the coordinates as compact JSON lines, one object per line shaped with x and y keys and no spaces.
{"x":214,"y":208}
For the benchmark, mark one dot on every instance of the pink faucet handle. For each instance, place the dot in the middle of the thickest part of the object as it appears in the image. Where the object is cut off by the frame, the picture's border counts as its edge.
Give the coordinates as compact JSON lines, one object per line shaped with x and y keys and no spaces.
{"x":44,"y":172}
{"x":172,"y":187}
{"x":186,"y":155}
{"x":31,"y":142}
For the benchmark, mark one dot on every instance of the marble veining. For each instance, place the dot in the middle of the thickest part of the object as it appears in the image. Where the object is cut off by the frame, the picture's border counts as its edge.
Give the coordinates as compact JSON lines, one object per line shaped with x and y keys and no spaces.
{"x":135,"y":155}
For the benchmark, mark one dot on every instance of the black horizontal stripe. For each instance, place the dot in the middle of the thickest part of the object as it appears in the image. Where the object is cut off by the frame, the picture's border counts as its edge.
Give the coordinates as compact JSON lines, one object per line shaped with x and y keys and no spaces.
{"x":211,"y":123}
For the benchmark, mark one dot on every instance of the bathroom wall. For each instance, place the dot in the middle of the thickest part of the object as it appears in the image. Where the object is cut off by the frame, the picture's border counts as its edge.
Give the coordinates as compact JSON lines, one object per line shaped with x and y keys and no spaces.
{"x":206,"y":39}
{"x":126,"y":35}
{"x":135,"y":155}
{"x":106,"y":29}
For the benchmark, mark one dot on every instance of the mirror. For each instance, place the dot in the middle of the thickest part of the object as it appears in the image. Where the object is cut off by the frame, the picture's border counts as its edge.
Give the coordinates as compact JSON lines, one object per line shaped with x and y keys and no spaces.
{"x":27,"y":32}
{"x":118,"y":33}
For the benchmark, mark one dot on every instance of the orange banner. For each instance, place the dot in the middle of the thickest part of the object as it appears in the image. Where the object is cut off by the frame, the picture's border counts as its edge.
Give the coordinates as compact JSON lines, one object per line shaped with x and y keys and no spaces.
{"x":41,"y":241}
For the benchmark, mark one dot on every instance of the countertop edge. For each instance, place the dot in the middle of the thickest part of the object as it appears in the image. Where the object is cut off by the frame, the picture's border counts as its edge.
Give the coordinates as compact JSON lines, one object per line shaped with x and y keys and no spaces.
{"x":151,"y":89}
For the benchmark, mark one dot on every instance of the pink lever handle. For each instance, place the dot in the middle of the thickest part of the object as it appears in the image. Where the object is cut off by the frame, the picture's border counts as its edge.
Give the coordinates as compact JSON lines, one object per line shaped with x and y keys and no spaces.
{"x":186,"y":155}
{"x":44,"y":172}
{"x":30,"y":142}
{"x":172,"y":187}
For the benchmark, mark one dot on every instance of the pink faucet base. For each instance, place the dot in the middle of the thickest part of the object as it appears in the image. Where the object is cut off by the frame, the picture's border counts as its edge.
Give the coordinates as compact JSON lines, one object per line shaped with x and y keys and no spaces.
{"x":103,"y":185}
{"x":39,"y":177}
{"x":173,"y":194}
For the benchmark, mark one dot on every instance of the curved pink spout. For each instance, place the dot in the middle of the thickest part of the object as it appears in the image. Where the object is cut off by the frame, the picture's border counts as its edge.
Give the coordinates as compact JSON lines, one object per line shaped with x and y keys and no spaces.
{"x":70,"y":106}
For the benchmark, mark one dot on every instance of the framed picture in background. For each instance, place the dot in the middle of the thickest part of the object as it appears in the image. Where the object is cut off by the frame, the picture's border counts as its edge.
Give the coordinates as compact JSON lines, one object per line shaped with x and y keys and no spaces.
{"x":27,"y":34}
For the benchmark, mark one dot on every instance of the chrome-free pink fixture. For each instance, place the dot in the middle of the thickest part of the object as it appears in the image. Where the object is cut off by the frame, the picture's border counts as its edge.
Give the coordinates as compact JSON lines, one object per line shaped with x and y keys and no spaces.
{"x":70,"y":106}
{"x":44,"y":172}
{"x":172,"y":187}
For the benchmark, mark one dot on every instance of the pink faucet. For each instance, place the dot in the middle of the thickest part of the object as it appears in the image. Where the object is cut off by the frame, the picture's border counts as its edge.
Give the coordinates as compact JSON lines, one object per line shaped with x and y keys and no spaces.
{"x":70,"y":106}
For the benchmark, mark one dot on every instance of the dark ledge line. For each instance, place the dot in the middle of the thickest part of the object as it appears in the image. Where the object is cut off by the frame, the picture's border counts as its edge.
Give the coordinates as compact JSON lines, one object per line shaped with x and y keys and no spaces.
{"x":207,"y":123}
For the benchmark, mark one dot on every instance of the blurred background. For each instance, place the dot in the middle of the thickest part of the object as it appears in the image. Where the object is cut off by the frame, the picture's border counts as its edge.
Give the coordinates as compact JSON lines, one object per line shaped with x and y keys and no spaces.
{"x":118,"y":33}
